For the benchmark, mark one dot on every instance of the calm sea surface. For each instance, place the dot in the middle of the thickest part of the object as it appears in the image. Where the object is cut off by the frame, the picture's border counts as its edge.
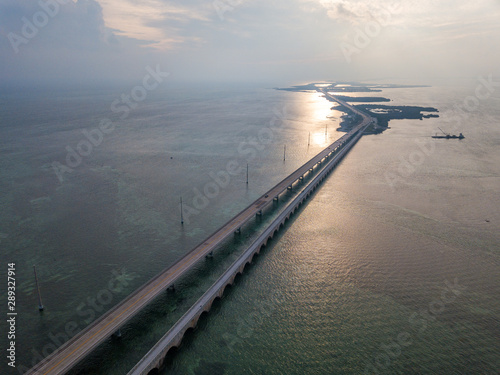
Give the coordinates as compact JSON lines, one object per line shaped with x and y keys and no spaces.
{"x":392,"y":267}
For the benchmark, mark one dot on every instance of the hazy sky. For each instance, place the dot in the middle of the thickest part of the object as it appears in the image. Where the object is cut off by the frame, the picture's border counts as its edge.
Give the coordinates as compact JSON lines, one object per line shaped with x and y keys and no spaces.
{"x":276,"y":41}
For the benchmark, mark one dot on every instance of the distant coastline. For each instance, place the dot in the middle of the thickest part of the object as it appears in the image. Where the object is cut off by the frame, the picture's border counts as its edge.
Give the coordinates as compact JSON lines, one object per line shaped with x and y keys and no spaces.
{"x":383,"y":113}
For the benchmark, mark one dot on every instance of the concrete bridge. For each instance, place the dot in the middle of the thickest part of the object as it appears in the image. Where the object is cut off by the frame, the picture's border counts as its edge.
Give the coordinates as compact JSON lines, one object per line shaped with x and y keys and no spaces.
{"x":154,"y":359}
{"x":78,"y":347}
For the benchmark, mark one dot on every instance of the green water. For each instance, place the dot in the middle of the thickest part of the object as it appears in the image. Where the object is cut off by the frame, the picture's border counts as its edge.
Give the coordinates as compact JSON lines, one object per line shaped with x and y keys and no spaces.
{"x":355,"y":284}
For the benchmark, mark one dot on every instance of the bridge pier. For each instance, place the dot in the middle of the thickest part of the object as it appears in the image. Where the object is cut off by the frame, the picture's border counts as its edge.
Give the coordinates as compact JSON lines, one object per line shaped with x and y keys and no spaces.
{"x":174,"y":337}
{"x":259,"y":213}
{"x":210,"y":255}
{"x":59,"y":362}
{"x":238,"y":231}
{"x":289,"y":188}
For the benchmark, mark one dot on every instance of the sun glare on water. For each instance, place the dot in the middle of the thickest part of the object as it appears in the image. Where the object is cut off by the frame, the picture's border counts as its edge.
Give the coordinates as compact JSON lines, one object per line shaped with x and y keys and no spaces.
{"x":319,"y":138}
{"x":320,"y":107}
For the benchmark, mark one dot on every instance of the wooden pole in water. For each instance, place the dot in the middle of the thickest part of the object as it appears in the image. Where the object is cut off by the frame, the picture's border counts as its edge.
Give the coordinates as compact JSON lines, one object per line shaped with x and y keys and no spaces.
{"x":40,"y":304}
{"x":309,"y":140}
{"x":182,"y":215}
{"x":284,"y":153}
{"x":247,"y":173}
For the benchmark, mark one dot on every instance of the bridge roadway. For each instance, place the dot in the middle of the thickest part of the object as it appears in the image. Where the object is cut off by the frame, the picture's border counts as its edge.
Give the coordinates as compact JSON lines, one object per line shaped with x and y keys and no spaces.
{"x":366,"y":118}
{"x":155,"y":358}
{"x":78,"y":347}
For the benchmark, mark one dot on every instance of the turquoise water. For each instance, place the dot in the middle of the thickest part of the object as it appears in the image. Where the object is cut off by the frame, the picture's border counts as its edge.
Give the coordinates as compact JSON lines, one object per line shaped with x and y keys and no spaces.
{"x":370,"y":279}
{"x":359,"y":282}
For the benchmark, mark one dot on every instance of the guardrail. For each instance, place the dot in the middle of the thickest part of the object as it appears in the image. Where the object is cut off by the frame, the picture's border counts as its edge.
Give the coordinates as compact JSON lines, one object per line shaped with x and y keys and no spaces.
{"x":155,"y":358}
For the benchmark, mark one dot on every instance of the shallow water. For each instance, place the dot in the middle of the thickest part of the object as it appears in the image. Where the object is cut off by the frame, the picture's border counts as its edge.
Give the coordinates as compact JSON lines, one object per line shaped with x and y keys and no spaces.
{"x":402,"y":217}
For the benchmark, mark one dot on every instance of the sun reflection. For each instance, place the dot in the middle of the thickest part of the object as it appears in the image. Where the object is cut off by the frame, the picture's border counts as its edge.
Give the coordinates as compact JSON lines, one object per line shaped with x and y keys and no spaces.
{"x":319,"y":138}
{"x":320,"y":107}
{"x":319,"y":110}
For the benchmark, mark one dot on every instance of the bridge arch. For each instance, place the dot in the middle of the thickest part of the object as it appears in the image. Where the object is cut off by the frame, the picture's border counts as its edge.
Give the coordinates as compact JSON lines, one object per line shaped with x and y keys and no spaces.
{"x":208,"y":307}
{"x":205,"y":313}
{"x":236,"y":278}
{"x":181,"y":332}
{"x":171,"y":352}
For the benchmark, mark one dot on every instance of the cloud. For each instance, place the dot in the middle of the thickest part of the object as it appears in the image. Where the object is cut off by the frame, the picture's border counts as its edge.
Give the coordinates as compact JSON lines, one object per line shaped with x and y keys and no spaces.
{"x":357,"y":11}
{"x":408,"y":13}
{"x":31,"y":24}
{"x":92,"y":40}
{"x":67,"y":40}
{"x":161,"y":24}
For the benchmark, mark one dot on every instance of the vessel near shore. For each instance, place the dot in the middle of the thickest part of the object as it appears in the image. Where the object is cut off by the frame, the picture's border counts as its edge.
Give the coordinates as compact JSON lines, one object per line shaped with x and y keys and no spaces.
{"x":448,"y":136}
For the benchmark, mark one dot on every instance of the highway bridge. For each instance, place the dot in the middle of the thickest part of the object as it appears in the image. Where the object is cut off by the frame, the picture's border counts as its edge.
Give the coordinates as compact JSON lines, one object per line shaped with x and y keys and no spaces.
{"x":78,"y":347}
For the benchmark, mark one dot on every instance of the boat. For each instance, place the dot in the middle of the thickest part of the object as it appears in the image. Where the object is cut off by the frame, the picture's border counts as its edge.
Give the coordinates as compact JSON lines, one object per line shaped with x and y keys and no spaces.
{"x":448,"y":136}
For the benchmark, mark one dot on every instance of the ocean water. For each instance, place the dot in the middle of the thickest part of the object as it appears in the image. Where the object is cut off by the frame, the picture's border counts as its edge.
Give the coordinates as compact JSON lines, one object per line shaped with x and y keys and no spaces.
{"x":392,"y":267}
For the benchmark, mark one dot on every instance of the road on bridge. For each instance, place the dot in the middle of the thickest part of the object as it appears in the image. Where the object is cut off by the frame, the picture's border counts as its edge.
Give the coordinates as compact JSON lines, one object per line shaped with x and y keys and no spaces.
{"x":78,"y":347}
